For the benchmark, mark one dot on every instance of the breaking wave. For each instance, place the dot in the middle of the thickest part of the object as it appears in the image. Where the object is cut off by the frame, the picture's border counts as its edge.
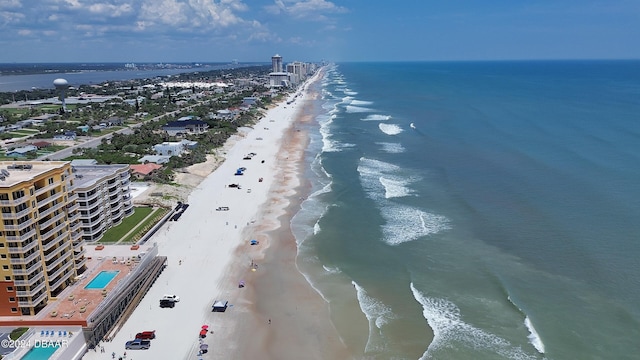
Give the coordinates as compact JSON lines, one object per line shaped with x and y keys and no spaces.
{"x":445,"y":320}
{"x":390,"y":129}
{"x":376,"y":117}
{"x":378,"y":314}
{"x":383,"y":182}
{"x":357,"y":109}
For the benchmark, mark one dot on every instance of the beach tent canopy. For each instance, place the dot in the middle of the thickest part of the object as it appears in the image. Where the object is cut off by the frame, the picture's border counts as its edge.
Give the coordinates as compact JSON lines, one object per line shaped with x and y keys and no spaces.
{"x":204,"y":346}
{"x":205,"y":327}
{"x":254,"y":242}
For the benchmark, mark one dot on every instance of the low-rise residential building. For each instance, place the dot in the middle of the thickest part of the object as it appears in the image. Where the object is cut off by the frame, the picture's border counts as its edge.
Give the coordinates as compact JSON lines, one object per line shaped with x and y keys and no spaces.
{"x":67,"y":135}
{"x":156,"y":159}
{"x":174,"y":148}
{"x":21,"y":151}
{"x":185,"y":127}
{"x":142,"y":171}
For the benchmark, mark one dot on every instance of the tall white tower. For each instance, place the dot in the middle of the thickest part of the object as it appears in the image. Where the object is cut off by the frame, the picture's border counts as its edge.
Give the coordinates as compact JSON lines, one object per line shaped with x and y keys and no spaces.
{"x":276,"y":63}
{"x":62,"y":85}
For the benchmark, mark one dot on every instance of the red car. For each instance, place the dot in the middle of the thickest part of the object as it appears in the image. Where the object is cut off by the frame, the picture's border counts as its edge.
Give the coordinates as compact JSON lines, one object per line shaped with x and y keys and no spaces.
{"x":146,"y":335}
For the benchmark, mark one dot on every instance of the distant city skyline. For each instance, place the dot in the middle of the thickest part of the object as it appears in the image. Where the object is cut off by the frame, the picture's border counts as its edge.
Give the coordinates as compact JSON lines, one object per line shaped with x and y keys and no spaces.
{"x":312,"y":30}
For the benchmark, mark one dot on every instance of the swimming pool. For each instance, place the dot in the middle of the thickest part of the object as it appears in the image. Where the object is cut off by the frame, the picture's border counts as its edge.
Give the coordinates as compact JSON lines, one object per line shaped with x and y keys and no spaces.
{"x":40,"y":353}
{"x":101,"y":280}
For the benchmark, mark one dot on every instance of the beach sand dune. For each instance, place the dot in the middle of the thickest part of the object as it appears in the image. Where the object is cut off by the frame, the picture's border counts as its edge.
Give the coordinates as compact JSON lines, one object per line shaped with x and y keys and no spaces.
{"x":276,"y":315}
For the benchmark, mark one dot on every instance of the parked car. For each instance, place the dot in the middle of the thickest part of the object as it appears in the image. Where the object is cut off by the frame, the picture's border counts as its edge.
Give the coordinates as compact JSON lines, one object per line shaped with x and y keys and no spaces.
{"x":146,"y":335}
{"x":175,"y":298}
{"x":220,"y":306}
{"x":138,"y":344}
{"x":164,"y":303}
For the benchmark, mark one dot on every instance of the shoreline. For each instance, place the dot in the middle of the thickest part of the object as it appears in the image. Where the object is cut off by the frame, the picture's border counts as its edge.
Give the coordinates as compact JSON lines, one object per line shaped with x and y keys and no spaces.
{"x":282,"y":313}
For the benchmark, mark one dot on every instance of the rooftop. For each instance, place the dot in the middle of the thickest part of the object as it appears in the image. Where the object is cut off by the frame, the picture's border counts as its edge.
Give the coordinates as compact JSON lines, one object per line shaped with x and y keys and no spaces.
{"x":87,"y":175}
{"x":16,"y":172}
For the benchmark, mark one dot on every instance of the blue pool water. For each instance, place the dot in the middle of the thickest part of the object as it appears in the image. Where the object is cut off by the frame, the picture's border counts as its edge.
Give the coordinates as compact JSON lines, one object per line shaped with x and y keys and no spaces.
{"x":40,"y":353}
{"x":101,"y":280}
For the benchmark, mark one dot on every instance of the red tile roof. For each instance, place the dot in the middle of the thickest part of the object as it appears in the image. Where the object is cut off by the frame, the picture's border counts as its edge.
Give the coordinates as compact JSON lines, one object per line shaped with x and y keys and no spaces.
{"x":144,"y":169}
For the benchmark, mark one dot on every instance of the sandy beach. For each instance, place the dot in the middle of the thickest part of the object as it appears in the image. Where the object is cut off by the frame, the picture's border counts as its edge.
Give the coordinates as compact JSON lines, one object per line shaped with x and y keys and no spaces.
{"x":277,"y":315}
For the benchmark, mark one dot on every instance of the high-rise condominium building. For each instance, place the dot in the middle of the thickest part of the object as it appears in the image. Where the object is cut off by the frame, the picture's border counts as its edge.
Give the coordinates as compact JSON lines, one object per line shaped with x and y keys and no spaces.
{"x":47,"y":211}
{"x":276,"y":63}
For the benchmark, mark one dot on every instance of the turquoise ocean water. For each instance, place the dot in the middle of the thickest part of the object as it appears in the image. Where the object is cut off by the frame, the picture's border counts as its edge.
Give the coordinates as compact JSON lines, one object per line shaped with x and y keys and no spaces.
{"x":483,"y":210}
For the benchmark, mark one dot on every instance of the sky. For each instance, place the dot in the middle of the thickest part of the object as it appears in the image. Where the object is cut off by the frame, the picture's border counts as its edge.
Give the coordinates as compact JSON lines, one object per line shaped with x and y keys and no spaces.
{"x":313,"y":30}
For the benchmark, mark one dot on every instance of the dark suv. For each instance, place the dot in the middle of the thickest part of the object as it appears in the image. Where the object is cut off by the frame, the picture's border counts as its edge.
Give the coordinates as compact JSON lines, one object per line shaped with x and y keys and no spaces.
{"x":167,"y":303}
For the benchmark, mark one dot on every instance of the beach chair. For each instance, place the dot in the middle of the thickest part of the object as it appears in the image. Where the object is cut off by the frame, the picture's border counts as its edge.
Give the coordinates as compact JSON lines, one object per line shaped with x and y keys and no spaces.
{"x":59,"y":333}
{"x":46,"y":333}
{"x":65,"y":333}
{"x":41,"y":332}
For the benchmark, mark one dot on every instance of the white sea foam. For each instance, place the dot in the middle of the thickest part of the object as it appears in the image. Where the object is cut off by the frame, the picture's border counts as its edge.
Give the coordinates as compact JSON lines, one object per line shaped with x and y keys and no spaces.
{"x":331,"y":270}
{"x":534,"y":338}
{"x":316,"y":228}
{"x":395,"y":187}
{"x":390,"y":129}
{"x":445,"y":320}
{"x":382,"y":179}
{"x":349,"y":92}
{"x":376,"y":117}
{"x":383,"y":182}
{"x":357,"y":109}
{"x":405,"y":223}
{"x":361,"y":102}
{"x":328,"y":144}
{"x":392,"y":148}
{"x":377,"y":313}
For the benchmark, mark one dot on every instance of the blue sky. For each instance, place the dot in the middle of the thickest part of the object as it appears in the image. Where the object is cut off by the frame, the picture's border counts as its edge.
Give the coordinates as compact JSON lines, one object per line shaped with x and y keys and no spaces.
{"x":311,"y":30}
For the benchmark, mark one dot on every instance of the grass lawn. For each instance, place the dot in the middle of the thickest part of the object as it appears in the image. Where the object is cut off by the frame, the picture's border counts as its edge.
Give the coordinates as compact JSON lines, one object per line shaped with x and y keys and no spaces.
{"x":145,"y":226}
{"x":20,"y":133}
{"x":116,"y":233}
{"x":16,"y":110}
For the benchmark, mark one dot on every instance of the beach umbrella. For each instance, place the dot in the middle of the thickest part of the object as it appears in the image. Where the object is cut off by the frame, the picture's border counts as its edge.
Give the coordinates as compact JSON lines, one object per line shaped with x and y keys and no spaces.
{"x":204,"y":346}
{"x":205,"y":327}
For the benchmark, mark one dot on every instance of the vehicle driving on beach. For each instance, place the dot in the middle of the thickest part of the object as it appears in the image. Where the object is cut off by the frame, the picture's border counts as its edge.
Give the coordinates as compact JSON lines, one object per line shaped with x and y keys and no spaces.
{"x":146,"y":335}
{"x":175,"y":298}
{"x":167,"y":303}
{"x":138,"y":344}
{"x":219,"y":306}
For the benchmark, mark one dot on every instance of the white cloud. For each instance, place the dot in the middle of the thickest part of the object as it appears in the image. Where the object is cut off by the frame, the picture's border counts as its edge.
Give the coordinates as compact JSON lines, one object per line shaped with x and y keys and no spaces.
{"x":306,"y":9}
{"x":10,"y":4}
{"x":110,"y":9}
{"x":7,"y":17}
{"x":198,"y":15}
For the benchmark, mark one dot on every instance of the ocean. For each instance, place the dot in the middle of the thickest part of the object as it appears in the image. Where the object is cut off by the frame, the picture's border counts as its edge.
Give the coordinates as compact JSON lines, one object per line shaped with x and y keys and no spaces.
{"x":477,"y":210}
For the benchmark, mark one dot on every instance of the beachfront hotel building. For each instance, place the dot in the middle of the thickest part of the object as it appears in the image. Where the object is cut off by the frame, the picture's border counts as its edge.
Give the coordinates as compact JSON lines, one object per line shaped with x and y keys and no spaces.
{"x":48,"y":209}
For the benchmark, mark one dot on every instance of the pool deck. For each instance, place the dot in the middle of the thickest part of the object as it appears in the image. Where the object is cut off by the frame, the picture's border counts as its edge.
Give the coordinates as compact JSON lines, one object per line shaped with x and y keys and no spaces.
{"x":75,"y":304}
